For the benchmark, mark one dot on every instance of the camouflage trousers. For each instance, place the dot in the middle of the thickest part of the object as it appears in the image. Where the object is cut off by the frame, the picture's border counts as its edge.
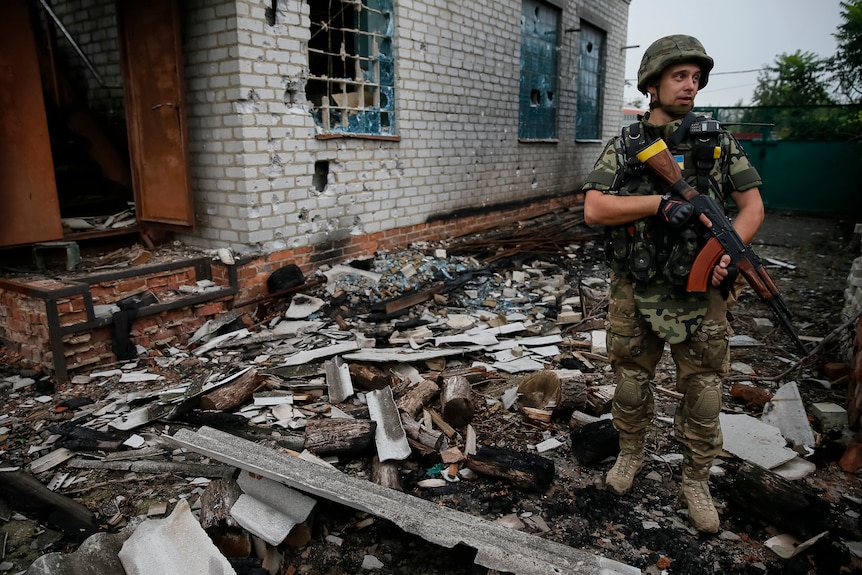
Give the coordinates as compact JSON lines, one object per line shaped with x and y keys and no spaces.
{"x":701,"y":360}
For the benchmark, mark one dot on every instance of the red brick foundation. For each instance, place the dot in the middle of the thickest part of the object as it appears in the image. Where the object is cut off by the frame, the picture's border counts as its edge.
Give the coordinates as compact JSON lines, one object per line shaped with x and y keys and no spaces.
{"x":29,"y":326}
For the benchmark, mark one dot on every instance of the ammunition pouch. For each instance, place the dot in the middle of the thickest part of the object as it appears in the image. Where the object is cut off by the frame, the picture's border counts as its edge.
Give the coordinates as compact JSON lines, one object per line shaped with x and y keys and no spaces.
{"x":644,"y":257}
{"x":618,"y":248}
{"x":647,"y":248}
{"x":681,"y":257}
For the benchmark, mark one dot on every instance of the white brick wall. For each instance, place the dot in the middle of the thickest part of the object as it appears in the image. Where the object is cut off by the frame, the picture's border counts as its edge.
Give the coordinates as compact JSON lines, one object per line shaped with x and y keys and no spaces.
{"x":93,"y":26}
{"x":252,"y":138}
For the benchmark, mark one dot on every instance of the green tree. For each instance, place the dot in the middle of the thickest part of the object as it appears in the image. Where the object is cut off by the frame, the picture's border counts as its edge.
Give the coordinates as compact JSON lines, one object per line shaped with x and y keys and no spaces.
{"x":800,"y":92}
{"x":798,"y":79}
{"x":787,"y":95}
{"x":846,"y":64}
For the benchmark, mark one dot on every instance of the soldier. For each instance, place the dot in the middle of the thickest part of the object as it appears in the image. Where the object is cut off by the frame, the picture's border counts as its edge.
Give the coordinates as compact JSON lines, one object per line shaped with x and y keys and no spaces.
{"x":651,"y":244}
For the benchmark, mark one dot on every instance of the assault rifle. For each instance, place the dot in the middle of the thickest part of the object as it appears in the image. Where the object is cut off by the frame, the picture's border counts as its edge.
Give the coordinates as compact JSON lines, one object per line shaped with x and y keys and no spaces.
{"x":723,"y":239}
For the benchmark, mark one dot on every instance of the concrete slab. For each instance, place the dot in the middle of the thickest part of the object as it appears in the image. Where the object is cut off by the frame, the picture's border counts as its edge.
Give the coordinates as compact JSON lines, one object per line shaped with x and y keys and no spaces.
{"x":752,"y":440}
{"x":830,"y":415}
{"x":787,"y":412}
{"x":302,"y":306}
{"x":309,"y":355}
{"x":479,"y":338}
{"x":337,"y":272}
{"x":518,"y":365}
{"x":599,"y":342}
{"x":294,"y":328}
{"x":796,"y":468}
{"x":407,"y":355}
{"x":137,"y":417}
{"x":496,"y":547}
{"x":223,"y":339}
{"x":176,"y":544}
{"x":742,"y":340}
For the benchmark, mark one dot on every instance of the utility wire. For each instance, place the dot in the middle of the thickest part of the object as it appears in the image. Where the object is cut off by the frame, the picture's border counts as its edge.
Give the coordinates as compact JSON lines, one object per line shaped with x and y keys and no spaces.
{"x":725,"y":73}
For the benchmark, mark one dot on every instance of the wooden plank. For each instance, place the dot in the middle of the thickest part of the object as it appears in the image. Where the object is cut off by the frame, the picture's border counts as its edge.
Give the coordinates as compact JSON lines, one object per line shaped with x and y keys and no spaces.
{"x":391,"y":306}
{"x":23,"y":490}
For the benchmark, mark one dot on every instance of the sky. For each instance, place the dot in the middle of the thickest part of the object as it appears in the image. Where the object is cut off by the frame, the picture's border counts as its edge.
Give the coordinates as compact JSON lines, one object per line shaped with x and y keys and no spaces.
{"x":740,"y":35}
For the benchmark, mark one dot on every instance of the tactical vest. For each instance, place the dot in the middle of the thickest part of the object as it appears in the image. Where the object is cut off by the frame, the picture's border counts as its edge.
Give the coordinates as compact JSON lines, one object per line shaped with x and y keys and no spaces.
{"x":646,"y":250}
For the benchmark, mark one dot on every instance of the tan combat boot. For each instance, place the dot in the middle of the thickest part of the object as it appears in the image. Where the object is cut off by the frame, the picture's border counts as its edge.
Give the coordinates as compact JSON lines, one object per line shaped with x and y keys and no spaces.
{"x":701,"y":510}
{"x":628,"y":464}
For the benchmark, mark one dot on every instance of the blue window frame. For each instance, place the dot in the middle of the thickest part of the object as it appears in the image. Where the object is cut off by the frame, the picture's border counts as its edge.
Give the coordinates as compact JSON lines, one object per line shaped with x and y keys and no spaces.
{"x":540,"y":51}
{"x":351,"y":80}
{"x":591,"y":63}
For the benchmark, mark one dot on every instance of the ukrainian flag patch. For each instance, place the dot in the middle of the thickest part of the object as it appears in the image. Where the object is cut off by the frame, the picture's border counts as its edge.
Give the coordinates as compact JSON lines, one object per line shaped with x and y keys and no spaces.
{"x":680,"y":159}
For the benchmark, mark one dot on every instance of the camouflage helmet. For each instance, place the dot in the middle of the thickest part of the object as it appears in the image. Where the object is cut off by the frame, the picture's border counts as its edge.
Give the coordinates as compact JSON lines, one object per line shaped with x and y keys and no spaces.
{"x":676,"y":49}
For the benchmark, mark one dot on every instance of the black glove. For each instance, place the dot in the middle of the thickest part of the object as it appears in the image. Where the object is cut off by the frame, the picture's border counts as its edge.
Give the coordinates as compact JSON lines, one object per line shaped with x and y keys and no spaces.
{"x":675,"y":212}
{"x":726,"y":284}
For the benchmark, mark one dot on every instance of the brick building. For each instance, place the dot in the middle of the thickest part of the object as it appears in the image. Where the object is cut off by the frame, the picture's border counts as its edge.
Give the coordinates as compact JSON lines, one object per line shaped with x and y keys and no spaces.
{"x":293,"y":131}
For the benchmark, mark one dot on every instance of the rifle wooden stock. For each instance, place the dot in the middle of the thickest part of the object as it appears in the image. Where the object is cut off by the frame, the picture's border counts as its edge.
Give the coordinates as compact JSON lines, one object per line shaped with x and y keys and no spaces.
{"x":659,"y":159}
{"x":723,"y":239}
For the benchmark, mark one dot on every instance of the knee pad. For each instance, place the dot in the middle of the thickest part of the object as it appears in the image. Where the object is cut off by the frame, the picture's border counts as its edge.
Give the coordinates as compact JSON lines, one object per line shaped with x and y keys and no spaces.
{"x":707,"y":406}
{"x":629,"y":394}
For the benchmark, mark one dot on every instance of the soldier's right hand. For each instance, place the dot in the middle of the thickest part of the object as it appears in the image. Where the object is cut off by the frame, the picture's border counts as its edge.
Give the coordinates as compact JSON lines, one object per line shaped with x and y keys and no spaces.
{"x":675,"y":212}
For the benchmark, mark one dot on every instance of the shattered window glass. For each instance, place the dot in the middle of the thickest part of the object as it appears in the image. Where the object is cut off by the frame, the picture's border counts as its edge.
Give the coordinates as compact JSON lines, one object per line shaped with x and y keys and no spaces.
{"x":540,"y":50}
{"x":588,"y":124}
{"x":351,"y":81}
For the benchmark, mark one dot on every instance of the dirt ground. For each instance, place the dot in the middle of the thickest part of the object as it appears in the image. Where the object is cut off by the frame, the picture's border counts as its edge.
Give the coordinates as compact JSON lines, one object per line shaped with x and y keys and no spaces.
{"x":646,"y":528}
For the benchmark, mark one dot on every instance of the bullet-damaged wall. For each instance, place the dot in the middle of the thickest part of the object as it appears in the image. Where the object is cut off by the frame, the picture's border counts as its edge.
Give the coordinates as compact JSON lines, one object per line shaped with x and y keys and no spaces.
{"x":265,"y":178}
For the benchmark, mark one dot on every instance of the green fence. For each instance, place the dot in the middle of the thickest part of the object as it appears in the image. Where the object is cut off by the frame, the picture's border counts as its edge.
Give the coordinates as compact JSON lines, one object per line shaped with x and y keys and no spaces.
{"x":810,"y":158}
{"x":811,"y":177}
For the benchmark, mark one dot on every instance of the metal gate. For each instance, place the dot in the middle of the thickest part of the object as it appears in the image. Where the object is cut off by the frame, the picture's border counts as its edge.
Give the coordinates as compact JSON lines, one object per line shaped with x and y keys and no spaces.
{"x":810,"y":158}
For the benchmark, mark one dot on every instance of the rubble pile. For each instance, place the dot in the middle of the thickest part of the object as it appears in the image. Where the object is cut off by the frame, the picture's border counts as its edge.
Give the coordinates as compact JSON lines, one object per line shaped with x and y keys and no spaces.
{"x":438,"y":409}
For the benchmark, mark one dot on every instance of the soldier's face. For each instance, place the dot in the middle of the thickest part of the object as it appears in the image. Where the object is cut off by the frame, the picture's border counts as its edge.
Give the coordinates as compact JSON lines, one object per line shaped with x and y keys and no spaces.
{"x":678,"y":85}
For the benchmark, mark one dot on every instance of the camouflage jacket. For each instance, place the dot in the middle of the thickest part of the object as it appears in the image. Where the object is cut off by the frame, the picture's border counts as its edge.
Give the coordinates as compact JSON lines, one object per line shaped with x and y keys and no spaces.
{"x":656,"y":259}
{"x":715,"y":164}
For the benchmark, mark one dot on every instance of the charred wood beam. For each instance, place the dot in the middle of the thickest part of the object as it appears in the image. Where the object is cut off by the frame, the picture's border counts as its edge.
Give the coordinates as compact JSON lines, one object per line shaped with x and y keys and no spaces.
{"x":779,"y":502}
{"x":71,"y":517}
{"x":523,"y":470}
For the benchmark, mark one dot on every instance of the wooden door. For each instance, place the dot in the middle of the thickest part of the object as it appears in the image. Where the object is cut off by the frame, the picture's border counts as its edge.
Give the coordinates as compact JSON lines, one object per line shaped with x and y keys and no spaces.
{"x":155,"y":110}
{"x":28,"y":192}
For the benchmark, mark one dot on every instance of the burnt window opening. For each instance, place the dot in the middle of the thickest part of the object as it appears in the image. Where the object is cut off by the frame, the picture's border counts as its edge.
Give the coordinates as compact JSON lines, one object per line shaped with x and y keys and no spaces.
{"x":321,"y":175}
{"x":351,"y":77}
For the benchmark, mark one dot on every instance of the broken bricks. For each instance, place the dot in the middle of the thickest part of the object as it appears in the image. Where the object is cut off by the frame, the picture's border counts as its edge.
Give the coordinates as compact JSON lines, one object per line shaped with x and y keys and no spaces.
{"x":302,"y":347}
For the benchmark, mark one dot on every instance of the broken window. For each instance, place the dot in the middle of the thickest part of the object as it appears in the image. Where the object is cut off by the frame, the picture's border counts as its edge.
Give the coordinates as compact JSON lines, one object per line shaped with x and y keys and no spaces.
{"x":351,"y":82}
{"x":588,"y":122}
{"x":540,"y":49}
